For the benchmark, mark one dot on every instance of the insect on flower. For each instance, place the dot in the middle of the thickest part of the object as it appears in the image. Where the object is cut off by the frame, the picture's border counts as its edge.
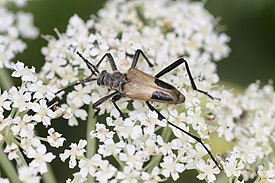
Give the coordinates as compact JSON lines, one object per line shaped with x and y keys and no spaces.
{"x":138,"y":85}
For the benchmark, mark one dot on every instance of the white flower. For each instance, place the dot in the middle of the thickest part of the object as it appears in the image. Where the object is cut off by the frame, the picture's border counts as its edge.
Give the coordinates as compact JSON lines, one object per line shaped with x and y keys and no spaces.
{"x":28,"y":175}
{"x":171,"y":168}
{"x":152,"y":177}
{"x":6,"y":18}
{"x":77,"y":178}
{"x":12,"y":151}
{"x":76,"y":151}
{"x":105,"y":173}
{"x":267,"y":174}
{"x":102,"y":133}
{"x":165,"y":148}
{"x":10,"y":34}
{"x":132,"y":157}
{"x":25,"y":25}
{"x":87,"y":166}
{"x":110,"y":147}
{"x":4,"y":102}
{"x":41,"y":157}
{"x":4,"y":180}
{"x":55,"y":139}
{"x":249,"y":152}
{"x":40,"y":90}
{"x":233,"y":166}
{"x":150,"y":120}
{"x":208,"y":170}
{"x":216,"y":44}
{"x":30,"y":143}
{"x":25,"y":73}
{"x":43,"y":113}
{"x":23,"y":126}
{"x":128,"y":175}
{"x":129,"y":129}
{"x":80,"y":96}
{"x":72,"y":113}
{"x":20,"y":99}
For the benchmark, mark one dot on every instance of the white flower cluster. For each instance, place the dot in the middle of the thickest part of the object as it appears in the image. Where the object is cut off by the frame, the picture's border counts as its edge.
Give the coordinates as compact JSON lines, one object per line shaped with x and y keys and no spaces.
{"x":249,"y":121}
{"x":13,"y":27}
{"x":165,"y":31}
{"x":142,"y":146}
{"x":21,"y":110}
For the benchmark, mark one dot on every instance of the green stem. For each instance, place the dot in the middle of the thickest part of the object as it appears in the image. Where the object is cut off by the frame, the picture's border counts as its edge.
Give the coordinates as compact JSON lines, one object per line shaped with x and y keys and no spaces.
{"x":5,"y":79}
{"x":91,"y":142}
{"x":121,"y":164}
{"x":230,"y":179}
{"x":49,"y":177}
{"x":8,"y":167}
{"x":91,"y":146}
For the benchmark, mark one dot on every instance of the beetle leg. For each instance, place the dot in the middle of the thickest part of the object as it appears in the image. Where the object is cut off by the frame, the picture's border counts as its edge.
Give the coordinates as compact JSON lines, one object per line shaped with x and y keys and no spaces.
{"x":102,"y":100}
{"x":114,"y":100}
{"x":136,"y":56}
{"x":110,"y":59}
{"x":152,"y":108}
{"x":176,"y":64}
{"x":88,"y":79}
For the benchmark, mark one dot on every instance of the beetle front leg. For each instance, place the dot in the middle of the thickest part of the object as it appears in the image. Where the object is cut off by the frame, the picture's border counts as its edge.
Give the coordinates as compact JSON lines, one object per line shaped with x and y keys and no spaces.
{"x":136,"y":57}
{"x":110,"y":59}
{"x":152,"y":108}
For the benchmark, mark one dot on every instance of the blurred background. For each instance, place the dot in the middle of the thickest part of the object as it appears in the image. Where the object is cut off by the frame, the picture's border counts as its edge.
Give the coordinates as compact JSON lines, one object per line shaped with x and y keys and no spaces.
{"x":249,"y":23}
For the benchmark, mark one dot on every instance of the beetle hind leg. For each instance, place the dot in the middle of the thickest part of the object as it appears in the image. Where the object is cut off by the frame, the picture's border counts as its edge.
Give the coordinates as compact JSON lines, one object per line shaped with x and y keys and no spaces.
{"x":176,"y":64}
{"x":152,"y":108}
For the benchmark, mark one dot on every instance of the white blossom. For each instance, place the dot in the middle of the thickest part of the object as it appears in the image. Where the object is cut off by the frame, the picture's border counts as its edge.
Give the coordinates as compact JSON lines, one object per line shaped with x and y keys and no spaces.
{"x":43,"y":113}
{"x":28,"y":175}
{"x":24,"y":127}
{"x":40,"y":158}
{"x":24,"y":72}
{"x":128,"y":175}
{"x":208,"y":170}
{"x":12,"y":151}
{"x":4,"y":102}
{"x":55,"y":139}
{"x":77,"y":150}
{"x":233,"y":166}
{"x":171,"y":168}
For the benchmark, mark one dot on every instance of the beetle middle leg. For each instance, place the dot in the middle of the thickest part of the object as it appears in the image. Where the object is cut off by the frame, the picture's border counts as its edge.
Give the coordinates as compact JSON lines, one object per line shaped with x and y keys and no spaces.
{"x":176,"y":64}
{"x":102,"y":100}
{"x":114,"y":100}
{"x":152,"y":108}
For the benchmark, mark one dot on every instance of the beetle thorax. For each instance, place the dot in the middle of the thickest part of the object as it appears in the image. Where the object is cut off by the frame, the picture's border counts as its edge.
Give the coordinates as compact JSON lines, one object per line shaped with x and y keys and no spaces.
{"x":114,"y":81}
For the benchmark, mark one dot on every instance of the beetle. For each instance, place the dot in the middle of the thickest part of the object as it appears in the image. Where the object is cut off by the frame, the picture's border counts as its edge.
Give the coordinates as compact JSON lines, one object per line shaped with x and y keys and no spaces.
{"x":138,"y":85}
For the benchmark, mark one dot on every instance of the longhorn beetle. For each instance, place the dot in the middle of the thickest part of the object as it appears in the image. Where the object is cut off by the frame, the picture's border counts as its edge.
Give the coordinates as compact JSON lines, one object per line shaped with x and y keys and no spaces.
{"x":138,"y":85}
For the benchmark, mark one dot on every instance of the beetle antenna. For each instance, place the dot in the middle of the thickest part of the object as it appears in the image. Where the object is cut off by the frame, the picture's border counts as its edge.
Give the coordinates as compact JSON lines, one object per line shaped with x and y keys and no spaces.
{"x":91,"y":66}
{"x":77,"y":83}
